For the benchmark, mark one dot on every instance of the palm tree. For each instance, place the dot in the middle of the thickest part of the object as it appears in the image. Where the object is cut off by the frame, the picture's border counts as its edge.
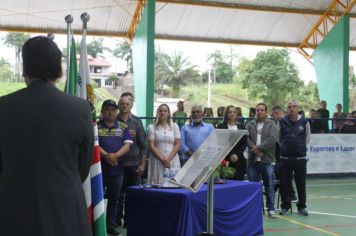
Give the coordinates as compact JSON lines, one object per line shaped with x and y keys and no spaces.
{"x":95,"y":47}
{"x":124,"y":51}
{"x":16,"y":40}
{"x":6,"y":73}
{"x":175,"y":70}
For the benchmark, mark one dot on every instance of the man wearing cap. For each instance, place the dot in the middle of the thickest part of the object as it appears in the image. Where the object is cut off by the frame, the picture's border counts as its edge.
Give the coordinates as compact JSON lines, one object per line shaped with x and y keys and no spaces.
{"x":114,"y":140}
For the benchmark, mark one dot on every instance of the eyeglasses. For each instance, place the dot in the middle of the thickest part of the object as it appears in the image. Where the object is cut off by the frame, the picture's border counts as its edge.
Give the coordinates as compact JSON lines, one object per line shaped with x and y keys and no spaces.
{"x":292,"y":106}
{"x":260,"y":109}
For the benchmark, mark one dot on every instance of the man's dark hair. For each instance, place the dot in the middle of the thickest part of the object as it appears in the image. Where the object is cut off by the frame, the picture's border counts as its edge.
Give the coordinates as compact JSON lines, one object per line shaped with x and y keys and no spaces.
{"x":312,"y":110}
{"x":127,"y":94}
{"x":42,"y":59}
{"x":276,"y":108}
{"x":262,"y":104}
{"x":252,"y":110}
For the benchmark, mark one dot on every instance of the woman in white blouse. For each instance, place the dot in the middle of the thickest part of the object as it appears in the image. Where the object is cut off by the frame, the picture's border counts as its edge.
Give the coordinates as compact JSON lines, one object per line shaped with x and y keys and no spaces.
{"x":163,"y":140}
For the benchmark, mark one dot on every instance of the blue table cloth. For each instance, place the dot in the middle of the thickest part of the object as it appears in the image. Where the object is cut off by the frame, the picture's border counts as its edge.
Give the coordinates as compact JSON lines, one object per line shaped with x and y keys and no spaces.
{"x":165,"y":212}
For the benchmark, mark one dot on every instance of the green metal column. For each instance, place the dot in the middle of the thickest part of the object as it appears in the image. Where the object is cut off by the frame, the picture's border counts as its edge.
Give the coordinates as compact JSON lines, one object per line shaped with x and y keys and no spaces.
{"x":331,"y":61}
{"x":143,"y":61}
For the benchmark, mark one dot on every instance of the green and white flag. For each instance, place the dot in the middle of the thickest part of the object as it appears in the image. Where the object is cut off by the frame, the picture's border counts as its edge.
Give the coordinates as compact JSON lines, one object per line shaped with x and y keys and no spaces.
{"x":72,"y":80}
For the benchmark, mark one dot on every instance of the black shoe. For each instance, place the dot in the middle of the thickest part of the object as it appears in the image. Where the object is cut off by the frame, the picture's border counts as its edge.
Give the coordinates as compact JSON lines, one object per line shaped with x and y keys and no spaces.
{"x":303,"y":212}
{"x":124,"y":225}
{"x":283,"y":211}
{"x":113,"y":231}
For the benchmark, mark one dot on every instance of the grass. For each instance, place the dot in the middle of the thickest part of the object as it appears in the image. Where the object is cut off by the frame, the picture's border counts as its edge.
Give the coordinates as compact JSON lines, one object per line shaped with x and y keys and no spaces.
{"x":221,"y":95}
{"x":6,"y":88}
{"x":101,"y":94}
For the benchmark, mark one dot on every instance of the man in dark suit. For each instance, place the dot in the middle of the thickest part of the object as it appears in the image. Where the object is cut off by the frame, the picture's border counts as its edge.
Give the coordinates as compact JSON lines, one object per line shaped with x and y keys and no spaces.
{"x":46,"y":144}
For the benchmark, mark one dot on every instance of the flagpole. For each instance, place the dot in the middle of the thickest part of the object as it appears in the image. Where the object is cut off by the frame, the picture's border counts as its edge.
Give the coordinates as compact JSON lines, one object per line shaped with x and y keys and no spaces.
{"x":85,"y":17}
{"x":69,"y":21}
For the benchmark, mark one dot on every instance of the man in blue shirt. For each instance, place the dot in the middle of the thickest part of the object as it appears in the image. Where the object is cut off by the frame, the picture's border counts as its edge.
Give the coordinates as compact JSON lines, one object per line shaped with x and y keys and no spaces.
{"x":114,"y":141}
{"x":194,"y":134}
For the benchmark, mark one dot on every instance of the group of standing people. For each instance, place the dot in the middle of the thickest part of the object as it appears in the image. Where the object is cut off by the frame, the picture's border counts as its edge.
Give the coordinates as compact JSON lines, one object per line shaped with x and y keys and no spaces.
{"x":341,"y":122}
{"x":278,"y":147}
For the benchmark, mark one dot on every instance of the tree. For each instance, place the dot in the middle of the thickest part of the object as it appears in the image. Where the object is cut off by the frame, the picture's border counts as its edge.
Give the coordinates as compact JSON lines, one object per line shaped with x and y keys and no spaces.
{"x":271,"y":76}
{"x":174,"y":70}
{"x":352,"y":77}
{"x":95,"y":47}
{"x":224,"y":71}
{"x":309,"y":96}
{"x":6,"y":74}
{"x":16,"y":40}
{"x":124,"y":51}
{"x":77,"y":49}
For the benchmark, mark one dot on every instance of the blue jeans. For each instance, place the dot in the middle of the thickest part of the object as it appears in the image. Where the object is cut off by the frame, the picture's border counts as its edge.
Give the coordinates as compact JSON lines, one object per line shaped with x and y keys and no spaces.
{"x":257,"y":170}
{"x":113,"y":185}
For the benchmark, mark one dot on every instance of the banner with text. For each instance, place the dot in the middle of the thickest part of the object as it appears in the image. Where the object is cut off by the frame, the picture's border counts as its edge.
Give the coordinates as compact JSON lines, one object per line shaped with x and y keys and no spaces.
{"x":332,"y":153}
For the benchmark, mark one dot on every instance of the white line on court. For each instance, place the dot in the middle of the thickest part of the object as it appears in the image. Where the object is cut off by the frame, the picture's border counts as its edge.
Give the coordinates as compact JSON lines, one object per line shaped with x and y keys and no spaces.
{"x":331,"y":214}
{"x":348,"y":197}
{"x":326,"y":184}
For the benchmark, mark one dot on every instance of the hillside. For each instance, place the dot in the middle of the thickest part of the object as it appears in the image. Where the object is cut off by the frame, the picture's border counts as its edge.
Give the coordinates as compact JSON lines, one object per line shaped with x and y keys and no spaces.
{"x":101,"y":94}
{"x":221,"y":95}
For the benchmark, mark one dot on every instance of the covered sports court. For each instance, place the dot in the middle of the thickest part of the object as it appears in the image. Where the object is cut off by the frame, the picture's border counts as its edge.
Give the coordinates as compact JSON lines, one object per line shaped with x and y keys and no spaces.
{"x":326,"y":27}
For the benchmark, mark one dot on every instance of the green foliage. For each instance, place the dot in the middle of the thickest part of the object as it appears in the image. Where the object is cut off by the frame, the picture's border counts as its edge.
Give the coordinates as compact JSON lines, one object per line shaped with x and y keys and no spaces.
{"x":224,"y":71}
{"x":352,"y":99}
{"x":6,"y":74}
{"x":95,"y":47}
{"x":221,"y":95}
{"x":352,"y":77}
{"x":224,"y":172}
{"x":112,"y":77}
{"x":16,"y":40}
{"x":308,"y":96}
{"x":7,"y":88}
{"x":175,"y":71}
{"x":124,"y":51}
{"x":271,"y":76}
{"x":77,"y":49}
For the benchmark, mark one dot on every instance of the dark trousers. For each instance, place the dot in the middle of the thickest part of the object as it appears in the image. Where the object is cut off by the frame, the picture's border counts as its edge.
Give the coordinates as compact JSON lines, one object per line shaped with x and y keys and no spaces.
{"x":286,"y":169}
{"x":113,"y":185}
{"x":130,"y":179}
{"x":239,"y":167}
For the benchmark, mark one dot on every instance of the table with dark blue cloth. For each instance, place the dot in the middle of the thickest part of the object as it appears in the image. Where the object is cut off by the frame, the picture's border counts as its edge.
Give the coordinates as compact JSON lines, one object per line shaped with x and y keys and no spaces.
{"x":165,"y":212}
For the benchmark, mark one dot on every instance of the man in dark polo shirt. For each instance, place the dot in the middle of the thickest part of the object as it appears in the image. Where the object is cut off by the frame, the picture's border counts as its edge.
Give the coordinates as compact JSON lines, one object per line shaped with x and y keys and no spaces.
{"x":134,"y":161}
{"x":131,"y":97}
{"x":114,"y":141}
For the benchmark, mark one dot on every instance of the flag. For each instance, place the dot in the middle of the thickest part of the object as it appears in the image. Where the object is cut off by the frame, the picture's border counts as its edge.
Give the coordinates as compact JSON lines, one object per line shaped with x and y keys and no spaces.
{"x":93,"y":185}
{"x":84,"y":73}
{"x":71,"y":83}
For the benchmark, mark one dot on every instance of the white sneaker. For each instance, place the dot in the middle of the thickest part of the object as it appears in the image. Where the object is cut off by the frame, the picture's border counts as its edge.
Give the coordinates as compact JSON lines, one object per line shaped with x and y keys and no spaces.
{"x":272,"y":214}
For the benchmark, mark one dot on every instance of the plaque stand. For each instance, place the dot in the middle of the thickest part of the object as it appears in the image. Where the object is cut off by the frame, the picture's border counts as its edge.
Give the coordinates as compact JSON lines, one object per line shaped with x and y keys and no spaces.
{"x":210,"y":209}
